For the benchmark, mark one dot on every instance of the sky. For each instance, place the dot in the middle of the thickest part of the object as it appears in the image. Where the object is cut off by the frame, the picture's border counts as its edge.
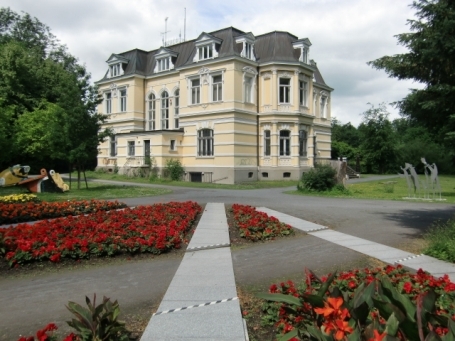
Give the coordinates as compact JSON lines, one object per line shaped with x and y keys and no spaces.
{"x":345,"y":35}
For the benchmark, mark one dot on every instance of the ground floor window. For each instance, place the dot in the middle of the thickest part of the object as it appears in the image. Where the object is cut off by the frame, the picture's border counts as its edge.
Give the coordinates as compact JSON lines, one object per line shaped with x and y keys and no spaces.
{"x":302,"y":143}
{"x":131,"y":148}
{"x":113,"y":146}
{"x":205,"y":142}
{"x":285,"y":143}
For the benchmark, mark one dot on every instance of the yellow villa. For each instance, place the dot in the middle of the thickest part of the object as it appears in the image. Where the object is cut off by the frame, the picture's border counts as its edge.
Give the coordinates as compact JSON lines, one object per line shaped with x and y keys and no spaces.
{"x":231,"y":106}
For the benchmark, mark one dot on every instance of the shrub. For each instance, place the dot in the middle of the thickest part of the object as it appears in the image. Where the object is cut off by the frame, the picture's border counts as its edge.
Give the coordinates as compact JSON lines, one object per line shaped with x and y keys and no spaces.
{"x":174,"y":169}
{"x":320,"y":178}
{"x":441,"y":239}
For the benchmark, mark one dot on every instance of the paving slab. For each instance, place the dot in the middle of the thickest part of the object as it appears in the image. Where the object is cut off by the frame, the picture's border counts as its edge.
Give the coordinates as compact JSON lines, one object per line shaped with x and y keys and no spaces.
{"x":201,"y":302}
{"x":212,"y":227}
{"x":293,"y":221}
{"x":221,"y":321}
{"x":436,"y":267}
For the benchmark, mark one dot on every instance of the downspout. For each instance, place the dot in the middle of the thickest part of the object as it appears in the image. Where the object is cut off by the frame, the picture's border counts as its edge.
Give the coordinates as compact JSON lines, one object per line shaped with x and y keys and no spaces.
{"x":257,"y":124}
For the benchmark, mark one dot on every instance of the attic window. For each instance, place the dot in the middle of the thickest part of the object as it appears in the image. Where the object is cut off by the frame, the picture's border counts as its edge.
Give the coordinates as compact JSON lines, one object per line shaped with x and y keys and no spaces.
{"x":205,"y":52}
{"x":162,"y":64}
{"x":247,"y":42}
{"x":304,"y":46}
{"x":116,"y":70}
{"x":206,"y":47}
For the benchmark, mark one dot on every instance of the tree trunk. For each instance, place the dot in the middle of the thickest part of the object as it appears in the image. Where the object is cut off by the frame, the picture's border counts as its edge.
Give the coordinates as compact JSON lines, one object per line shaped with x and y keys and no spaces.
{"x":85,"y":178}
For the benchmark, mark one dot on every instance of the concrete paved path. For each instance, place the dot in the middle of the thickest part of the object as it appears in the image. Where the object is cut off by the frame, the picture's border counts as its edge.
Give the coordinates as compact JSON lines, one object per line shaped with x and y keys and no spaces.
{"x":201,"y":302}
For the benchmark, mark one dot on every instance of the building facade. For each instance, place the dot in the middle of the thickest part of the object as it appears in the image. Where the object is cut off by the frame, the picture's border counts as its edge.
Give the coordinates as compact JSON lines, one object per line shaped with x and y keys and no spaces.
{"x":231,"y":106}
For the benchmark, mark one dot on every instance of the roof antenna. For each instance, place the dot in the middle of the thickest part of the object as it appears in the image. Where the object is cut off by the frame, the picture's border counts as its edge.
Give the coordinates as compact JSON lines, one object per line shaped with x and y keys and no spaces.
{"x":184,"y":27}
{"x":165,"y":31}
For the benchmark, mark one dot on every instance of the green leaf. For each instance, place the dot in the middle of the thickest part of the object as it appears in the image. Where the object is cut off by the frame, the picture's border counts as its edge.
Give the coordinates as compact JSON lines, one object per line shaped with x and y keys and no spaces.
{"x":280,"y":298}
{"x":399,"y":300}
{"x":355,"y":336}
{"x":386,"y":309}
{"x":314,"y":300}
{"x":81,"y":313}
{"x":326,"y":285}
{"x":363,"y":294}
{"x":392,"y":325}
{"x":429,"y":301}
{"x":288,"y":336}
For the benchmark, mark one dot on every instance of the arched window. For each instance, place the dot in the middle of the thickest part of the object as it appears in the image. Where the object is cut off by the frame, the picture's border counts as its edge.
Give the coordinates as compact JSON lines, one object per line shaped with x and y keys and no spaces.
{"x":205,"y":142}
{"x":285,"y":143}
{"x":176,"y":108}
{"x":151,"y":115}
{"x":165,"y":110}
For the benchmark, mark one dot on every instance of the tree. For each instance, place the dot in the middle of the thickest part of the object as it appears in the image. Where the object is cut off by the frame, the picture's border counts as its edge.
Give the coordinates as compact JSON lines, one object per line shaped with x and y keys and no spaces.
{"x":42,"y":87}
{"x":430,"y":61}
{"x":378,"y":146}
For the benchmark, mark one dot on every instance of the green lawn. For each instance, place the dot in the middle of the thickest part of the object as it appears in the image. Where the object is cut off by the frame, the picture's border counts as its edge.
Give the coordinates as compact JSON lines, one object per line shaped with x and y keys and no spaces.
{"x":95,"y":191}
{"x":396,"y":191}
{"x":245,"y":186}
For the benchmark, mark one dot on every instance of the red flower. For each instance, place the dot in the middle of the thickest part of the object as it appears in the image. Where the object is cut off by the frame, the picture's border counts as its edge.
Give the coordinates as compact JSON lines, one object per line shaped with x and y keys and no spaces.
{"x":407,"y":287}
{"x":377,"y":336}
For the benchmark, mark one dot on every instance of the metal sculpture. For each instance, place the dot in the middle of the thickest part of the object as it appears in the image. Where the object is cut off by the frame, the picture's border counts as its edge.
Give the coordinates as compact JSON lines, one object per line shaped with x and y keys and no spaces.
{"x":433,"y":182}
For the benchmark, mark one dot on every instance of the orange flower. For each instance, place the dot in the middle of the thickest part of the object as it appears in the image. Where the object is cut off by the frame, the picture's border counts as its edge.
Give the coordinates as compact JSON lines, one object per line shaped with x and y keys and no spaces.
{"x":342,"y":329}
{"x":332,"y":306}
{"x":377,"y":336}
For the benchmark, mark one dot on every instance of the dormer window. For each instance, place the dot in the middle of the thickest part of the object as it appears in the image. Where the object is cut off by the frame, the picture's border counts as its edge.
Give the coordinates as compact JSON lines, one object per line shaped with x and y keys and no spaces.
{"x":163,"y":59}
{"x":163,"y":64}
{"x":304,"y":46}
{"x":206,"y":47}
{"x":116,"y":70}
{"x":205,"y":52}
{"x":117,"y":64}
{"x":247,"y":42}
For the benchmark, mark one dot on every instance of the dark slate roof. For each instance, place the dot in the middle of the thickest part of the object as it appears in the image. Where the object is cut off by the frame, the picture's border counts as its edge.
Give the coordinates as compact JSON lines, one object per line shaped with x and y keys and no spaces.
{"x":270,"y":47}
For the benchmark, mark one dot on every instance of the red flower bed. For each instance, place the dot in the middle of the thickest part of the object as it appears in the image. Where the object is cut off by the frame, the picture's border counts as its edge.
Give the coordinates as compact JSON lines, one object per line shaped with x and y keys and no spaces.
{"x":333,"y":316}
{"x":254,"y":225}
{"x":153,"y":229}
{"x":19,"y":213}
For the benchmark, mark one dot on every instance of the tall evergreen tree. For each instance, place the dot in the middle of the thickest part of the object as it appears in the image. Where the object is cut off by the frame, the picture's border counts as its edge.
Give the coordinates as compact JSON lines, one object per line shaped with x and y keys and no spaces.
{"x":431,"y":62}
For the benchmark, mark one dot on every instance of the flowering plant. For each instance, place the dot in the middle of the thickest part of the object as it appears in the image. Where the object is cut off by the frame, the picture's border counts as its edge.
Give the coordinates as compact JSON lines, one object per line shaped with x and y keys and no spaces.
{"x":254,"y":225}
{"x":31,"y":211}
{"x":42,"y":335}
{"x":154,"y":229}
{"x":19,"y":198}
{"x":381,"y":304}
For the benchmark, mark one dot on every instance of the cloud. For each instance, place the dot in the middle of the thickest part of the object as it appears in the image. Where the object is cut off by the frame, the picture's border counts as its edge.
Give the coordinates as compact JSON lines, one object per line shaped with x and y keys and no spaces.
{"x":345,"y":35}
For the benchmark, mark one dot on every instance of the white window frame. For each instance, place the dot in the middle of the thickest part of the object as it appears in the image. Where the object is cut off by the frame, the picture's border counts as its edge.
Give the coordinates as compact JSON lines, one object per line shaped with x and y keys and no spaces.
{"x":217,"y":88}
{"x":287,"y":90}
{"x":303,"y":93}
{"x":205,"y":143}
{"x":163,"y":64}
{"x":285,"y":144}
{"x":249,"y":73}
{"x":195,"y":90}
{"x":116,"y":70}
{"x":151,"y":112}
{"x":131,"y":148}
{"x":123,"y":100}
{"x":323,"y":105}
{"x":108,"y":105}
{"x":165,"y":110}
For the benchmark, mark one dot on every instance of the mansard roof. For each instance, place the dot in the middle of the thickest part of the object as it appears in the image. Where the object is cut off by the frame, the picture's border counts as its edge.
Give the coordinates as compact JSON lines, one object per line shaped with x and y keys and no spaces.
{"x":276,"y":46}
